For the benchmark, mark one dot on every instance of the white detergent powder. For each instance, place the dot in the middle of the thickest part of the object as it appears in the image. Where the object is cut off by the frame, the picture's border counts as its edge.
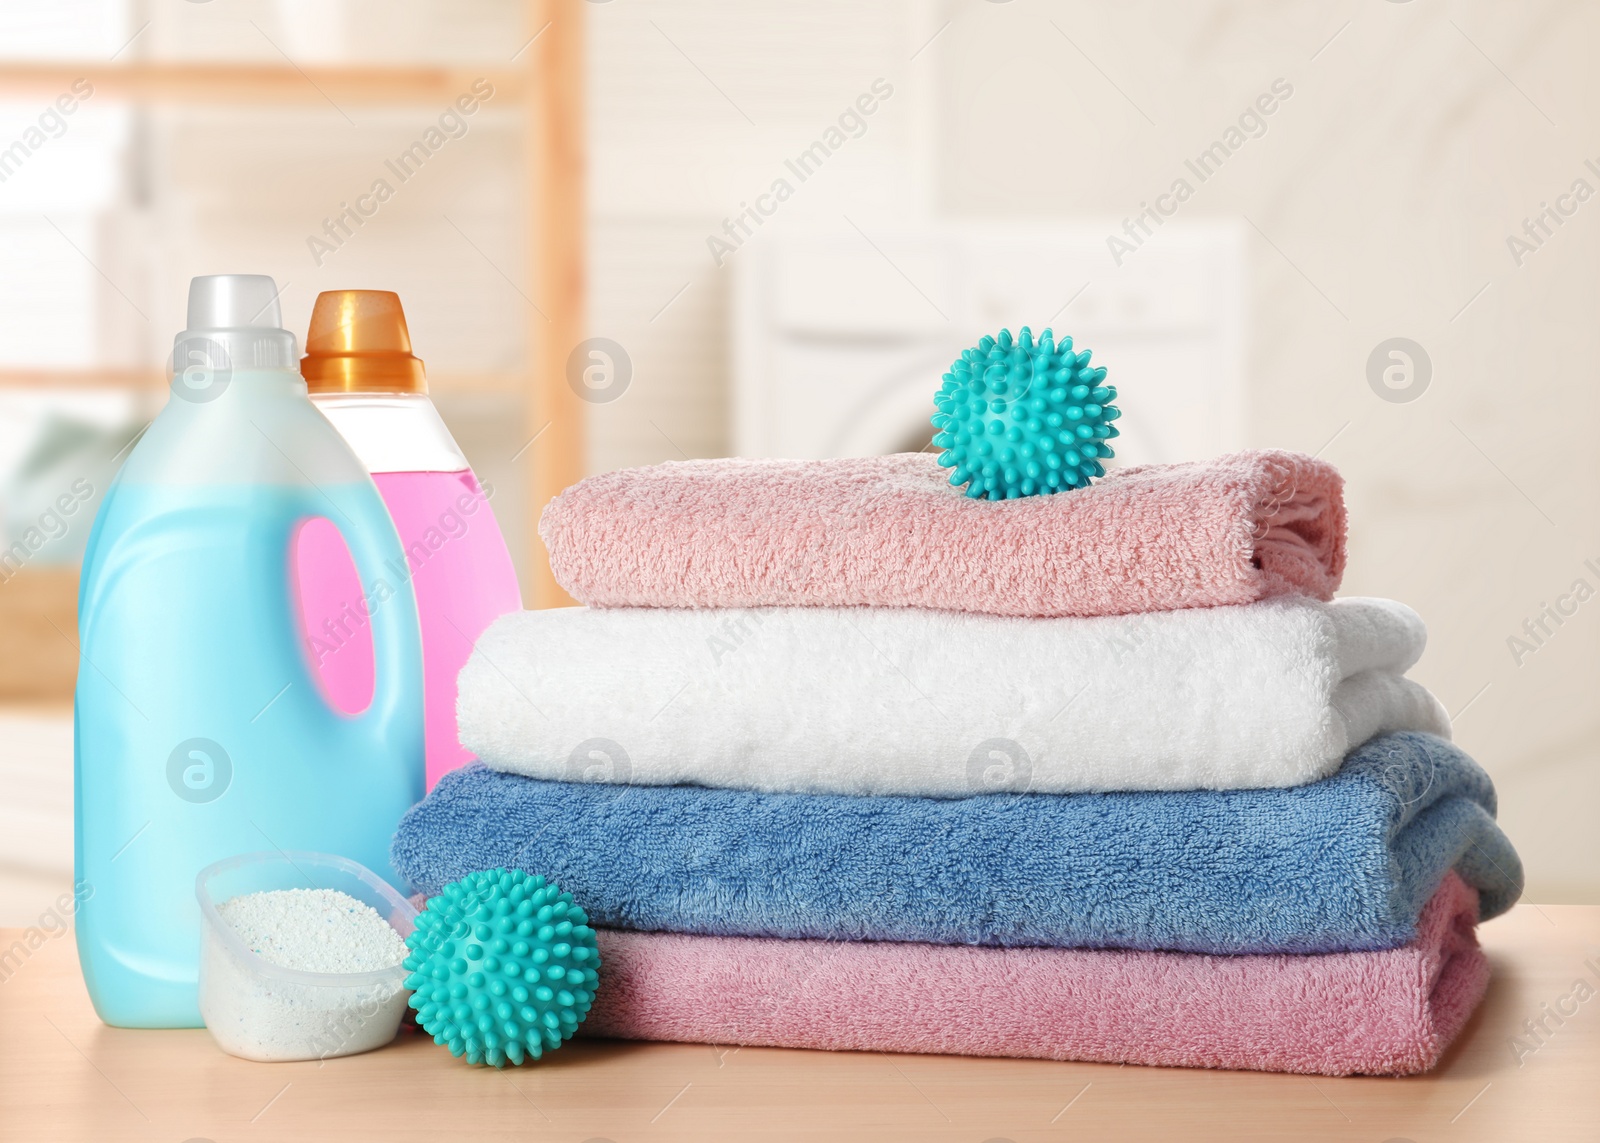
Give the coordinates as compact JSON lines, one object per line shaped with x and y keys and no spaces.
{"x":262,"y":1015}
{"x":314,"y":930}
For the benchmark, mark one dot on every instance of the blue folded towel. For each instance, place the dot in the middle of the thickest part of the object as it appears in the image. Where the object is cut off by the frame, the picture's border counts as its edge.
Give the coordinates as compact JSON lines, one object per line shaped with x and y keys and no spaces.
{"x":1344,"y":863}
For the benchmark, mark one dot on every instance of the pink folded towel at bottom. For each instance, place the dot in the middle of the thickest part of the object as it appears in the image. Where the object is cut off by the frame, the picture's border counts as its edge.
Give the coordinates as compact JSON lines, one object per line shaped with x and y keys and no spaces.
{"x":1377,"y":1013}
{"x":889,"y":531}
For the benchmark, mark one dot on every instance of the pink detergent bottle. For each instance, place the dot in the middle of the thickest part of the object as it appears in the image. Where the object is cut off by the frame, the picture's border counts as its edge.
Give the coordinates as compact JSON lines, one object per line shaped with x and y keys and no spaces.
{"x":361,"y":374}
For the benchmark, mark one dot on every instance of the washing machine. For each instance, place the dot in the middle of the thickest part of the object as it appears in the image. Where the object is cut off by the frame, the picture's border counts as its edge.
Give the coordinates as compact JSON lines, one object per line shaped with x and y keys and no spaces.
{"x":841,"y":336}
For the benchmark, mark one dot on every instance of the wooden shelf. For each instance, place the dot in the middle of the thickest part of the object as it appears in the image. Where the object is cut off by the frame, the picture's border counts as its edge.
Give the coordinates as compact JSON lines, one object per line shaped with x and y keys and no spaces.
{"x":38,"y":633}
{"x":443,"y":383}
{"x":557,"y":252}
{"x":545,"y":80}
{"x":80,"y":379}
{"x":262,"y":83}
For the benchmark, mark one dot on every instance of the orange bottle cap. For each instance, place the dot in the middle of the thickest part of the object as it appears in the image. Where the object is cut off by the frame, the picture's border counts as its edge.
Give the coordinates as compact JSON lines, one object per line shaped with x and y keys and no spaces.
{"x":359,"y":343}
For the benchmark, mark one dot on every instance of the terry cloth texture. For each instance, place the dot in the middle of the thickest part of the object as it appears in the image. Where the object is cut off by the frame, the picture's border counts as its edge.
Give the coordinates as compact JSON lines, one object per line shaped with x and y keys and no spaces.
{"x":1378,"y":1013}
{"x":889,"y":531}
{"x":1341,"y":864}
{"x":941,"y":704}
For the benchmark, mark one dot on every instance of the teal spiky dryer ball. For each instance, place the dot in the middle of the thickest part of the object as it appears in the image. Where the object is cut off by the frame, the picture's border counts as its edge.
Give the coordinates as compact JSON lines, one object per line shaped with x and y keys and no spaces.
{"x":504,"y":967}
{"x":1019,"y":417}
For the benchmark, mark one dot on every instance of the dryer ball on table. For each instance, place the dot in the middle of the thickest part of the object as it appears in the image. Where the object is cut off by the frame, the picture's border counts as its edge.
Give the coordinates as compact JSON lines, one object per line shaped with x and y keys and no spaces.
{"x":1019,"y":417}
{"x":504,"y":967}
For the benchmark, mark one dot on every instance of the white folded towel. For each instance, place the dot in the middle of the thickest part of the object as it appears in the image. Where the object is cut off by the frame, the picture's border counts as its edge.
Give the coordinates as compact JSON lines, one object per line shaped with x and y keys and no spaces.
{"x":902,"y":701}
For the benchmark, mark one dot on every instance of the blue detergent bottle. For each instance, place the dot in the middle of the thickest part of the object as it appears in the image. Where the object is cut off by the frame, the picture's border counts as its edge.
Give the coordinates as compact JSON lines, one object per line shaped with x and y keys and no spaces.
{"x":200,"y":731}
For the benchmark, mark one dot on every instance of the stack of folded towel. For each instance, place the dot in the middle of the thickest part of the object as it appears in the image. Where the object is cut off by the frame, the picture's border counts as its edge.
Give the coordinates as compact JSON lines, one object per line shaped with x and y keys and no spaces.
{"x":839,"y":758}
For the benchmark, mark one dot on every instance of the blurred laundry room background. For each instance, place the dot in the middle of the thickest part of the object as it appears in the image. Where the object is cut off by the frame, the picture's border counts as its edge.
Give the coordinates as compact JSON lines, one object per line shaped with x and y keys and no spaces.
{"x":1342,"y":228}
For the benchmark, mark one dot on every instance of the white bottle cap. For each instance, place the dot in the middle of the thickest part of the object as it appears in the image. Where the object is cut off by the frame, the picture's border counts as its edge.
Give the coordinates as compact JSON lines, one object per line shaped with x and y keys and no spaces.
{"x":234,"y":323}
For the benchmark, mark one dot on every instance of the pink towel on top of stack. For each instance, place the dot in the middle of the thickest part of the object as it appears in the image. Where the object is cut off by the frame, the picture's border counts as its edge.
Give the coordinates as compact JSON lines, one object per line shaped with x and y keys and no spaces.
{"x":1379,"y":1013}
{"x":889,"y":531}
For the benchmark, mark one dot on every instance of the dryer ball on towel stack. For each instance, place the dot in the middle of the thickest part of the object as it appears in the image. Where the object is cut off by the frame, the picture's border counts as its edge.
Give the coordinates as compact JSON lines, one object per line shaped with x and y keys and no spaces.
{"x":1020,"y":418}
{"x":503,"y":966}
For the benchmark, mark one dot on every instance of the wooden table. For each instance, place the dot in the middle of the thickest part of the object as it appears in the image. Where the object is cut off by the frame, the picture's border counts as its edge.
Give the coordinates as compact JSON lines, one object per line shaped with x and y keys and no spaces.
{"x":64,"y":1077}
